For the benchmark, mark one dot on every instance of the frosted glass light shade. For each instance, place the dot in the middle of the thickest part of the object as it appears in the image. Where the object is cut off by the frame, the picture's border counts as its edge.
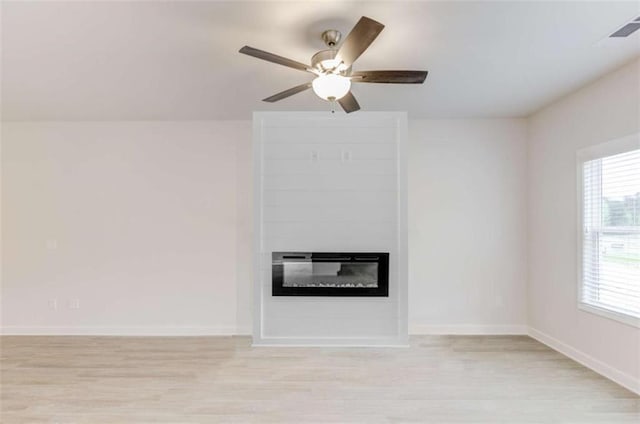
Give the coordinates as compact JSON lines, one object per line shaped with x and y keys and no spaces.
{"x":331,"y":86}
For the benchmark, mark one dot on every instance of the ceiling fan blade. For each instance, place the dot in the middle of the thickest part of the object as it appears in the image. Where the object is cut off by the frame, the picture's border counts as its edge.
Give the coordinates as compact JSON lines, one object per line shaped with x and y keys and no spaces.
{"x":358,"y":40}
{"x":349,"y":103}
{"x":390,"y":77}
{"x":286,"y":93}
{"x":270,"y":57}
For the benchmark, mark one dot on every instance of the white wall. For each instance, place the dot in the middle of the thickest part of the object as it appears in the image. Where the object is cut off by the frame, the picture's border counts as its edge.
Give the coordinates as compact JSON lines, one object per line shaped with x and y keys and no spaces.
{"x":605,"y":110}
{"x":141,"y":222}
{"x":467,"y":226}
{"x":153,"y":225}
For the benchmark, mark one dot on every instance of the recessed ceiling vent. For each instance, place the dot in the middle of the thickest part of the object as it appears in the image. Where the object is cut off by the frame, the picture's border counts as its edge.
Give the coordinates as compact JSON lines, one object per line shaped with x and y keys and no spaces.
{"x":627,"y":29}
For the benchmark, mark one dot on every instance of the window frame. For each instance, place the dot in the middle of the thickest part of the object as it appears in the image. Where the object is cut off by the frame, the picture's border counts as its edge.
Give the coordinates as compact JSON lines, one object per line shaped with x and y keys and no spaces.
{"x":609,"y":148}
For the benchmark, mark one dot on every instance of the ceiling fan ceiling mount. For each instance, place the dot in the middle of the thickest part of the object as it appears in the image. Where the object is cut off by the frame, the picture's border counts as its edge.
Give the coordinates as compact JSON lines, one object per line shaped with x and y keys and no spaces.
{"x":332,"y":67}
{"x":331,"y":37}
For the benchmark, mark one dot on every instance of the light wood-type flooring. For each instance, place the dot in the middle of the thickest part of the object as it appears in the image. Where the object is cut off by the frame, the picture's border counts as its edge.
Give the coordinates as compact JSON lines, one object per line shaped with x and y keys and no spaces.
{"x":439,"y":379}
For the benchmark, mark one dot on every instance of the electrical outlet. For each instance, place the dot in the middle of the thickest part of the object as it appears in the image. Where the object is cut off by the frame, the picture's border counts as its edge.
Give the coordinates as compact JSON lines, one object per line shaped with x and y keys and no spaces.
{"x":315,"y":156}
{"x":74,"y":304}
{"x":53,"y":304}
{"x":346,"y":156}
{"x":52,"y":244}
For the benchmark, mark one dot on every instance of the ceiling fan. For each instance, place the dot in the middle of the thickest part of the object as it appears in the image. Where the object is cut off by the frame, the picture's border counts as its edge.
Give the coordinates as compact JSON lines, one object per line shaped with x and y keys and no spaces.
{"x":332,"y":66}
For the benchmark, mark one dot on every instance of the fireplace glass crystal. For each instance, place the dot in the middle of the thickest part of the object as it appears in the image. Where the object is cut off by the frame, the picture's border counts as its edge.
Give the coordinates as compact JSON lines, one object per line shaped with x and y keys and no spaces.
{"x":330,"y":274}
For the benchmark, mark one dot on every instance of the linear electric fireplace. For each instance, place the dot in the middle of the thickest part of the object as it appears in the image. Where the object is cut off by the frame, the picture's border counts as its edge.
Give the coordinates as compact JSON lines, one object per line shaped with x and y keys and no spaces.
{"x":330,"y":274}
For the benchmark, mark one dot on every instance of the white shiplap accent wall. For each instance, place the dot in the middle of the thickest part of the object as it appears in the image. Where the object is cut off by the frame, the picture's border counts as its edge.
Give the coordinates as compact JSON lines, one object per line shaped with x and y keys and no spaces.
{"x":330,"y":183}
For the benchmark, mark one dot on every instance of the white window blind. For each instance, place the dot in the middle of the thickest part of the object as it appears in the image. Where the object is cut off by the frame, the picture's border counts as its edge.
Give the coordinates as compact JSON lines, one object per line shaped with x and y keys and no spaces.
{"x":611,"y":233}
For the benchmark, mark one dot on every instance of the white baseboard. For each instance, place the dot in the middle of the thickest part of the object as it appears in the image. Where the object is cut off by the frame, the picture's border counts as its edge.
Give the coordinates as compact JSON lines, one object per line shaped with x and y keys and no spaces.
{"x":244,"y":331}
{"x":468,"y":329}
{"x":120,"y":331}
{"x":588,"y":361}
{"x":239,"y":331}
{"x":330,"y":342}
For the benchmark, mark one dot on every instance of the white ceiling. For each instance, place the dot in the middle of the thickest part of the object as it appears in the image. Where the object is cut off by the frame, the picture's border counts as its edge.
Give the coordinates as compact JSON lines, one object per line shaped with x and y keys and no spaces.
{"x":178,"y":60}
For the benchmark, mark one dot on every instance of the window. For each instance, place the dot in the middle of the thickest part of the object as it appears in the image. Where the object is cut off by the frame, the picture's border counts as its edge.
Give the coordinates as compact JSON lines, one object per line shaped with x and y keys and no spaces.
{"x":610,"y":229}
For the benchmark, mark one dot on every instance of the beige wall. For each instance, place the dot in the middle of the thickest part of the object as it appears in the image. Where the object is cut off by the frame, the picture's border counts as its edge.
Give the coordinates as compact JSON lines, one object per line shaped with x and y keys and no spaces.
{"x":467,"y":226}
{"x":142,"y":222}
{"x":148,"y":224}
{"x":605,"y":110}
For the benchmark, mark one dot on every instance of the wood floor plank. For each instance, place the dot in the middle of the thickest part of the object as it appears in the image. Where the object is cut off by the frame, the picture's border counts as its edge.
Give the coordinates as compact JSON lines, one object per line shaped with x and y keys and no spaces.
{"x":439,"y":379}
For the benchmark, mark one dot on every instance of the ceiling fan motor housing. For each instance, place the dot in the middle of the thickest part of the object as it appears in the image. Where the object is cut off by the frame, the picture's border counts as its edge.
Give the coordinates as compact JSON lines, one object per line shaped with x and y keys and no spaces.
{"x":324,"y":62}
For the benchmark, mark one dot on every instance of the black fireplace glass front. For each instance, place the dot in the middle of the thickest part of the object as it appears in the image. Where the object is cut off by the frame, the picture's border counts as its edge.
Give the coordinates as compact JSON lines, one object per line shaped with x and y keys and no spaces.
{"x":330,"y":274}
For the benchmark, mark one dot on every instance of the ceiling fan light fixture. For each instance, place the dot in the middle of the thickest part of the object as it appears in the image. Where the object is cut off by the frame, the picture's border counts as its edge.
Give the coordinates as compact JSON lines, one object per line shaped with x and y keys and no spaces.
{"x":331,"y":87}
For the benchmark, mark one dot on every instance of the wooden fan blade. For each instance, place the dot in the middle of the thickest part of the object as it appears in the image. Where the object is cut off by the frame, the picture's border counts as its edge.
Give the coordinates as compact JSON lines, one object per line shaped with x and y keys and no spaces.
{"x":390,"y":77}
{"x":349,"y":103}
{"x":286,"y":93}
{"x":270,"y":57}
{"x":358,"y":40}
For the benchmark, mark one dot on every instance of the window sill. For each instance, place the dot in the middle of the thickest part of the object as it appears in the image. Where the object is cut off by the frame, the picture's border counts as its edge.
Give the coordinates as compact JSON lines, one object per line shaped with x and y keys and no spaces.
{"x":616,"y":316}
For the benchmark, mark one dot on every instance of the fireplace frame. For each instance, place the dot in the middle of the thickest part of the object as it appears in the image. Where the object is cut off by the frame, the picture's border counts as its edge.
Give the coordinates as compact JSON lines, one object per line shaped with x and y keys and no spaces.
{"x":381,"y":258}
